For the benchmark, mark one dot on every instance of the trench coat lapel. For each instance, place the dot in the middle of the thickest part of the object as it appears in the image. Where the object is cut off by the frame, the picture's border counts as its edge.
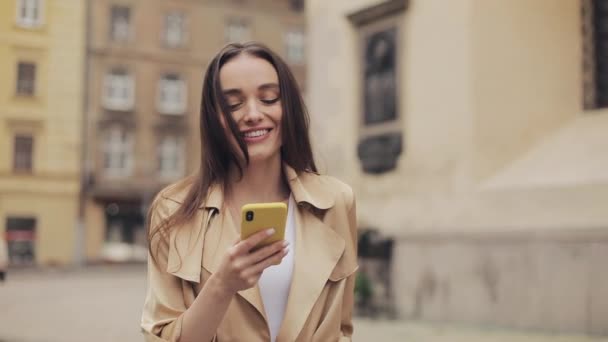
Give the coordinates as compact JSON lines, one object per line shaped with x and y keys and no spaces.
{"x":318,"y":249}
{"x":205,"y":245}
{"x":221,"y":236}
{"x":185,"y":249}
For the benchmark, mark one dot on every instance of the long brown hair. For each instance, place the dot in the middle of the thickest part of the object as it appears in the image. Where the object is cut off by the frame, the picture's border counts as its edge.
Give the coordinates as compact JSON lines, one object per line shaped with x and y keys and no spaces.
{"x":218,"y":154}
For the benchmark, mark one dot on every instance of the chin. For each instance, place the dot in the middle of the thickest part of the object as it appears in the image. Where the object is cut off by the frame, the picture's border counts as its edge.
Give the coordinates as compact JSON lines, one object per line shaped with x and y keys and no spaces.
{"x":262,"y":156}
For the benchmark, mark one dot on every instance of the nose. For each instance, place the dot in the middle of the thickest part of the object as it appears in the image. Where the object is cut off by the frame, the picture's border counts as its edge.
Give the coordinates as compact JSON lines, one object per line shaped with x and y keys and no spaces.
{"x":252,"y":112}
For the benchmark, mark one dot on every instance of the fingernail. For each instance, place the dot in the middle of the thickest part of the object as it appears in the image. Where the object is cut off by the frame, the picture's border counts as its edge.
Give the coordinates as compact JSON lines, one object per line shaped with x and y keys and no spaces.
{"x":270,"y":231}
{"x":286,"y":250}
{"x":285,"y":243}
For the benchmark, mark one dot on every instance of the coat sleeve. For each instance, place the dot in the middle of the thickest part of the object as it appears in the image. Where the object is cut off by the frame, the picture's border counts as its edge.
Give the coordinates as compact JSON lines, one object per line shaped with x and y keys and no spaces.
{"x":346,"y":325}
{"x":164,"y":305}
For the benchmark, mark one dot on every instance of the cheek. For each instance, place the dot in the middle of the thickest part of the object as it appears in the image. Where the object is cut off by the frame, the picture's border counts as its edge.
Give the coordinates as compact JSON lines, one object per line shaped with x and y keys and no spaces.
{"x":277,"y":116}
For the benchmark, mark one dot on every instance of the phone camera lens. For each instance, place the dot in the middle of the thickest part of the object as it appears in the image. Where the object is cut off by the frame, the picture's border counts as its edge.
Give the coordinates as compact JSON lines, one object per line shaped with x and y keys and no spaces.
{"x":249,"y":216}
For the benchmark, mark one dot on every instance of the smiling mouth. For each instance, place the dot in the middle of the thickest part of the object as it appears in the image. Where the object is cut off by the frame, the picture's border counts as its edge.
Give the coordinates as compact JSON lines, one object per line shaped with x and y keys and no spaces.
{"x":256,"y":134}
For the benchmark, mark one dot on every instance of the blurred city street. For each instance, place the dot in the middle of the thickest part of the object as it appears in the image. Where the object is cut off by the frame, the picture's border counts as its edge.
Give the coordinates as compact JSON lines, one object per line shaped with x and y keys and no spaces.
{"x":103,"y":303}
{"x":472,"y":134}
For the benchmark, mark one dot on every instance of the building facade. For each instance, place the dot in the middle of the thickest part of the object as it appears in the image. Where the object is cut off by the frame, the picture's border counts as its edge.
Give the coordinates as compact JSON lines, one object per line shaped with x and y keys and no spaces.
{"x":145,"y":62}
{"x":41,"y":61}
{"x":474,"y":135}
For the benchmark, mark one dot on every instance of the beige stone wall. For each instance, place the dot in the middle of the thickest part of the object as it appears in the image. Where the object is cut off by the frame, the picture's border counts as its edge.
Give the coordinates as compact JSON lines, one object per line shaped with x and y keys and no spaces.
{"x":435,"y":105}
{"x":555,"y":282}
{"x":498,"y":203}
{"x":527,"y":71}
{"x":467,"y":105}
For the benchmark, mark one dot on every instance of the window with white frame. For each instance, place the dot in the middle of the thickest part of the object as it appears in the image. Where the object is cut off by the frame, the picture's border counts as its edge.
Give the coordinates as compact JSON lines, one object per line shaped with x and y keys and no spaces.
{"x":29,"y":13}
{"x":237,"y":30}
{"x":175,"y":29}
{"x":294,"y":45}
{"x":118,"y":152}
{"x":171,"y":157}
{"x":120,"y":23}
{"x":119,"y":90}
{"x":171,"y":95}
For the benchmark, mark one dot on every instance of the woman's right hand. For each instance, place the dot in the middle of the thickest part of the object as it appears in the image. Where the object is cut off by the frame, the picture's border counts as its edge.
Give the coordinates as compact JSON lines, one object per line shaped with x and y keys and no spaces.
{"x":241,"y":268}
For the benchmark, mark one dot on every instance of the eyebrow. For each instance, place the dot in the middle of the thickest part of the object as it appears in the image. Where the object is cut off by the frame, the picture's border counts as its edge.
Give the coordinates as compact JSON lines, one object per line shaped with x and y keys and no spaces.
{"x":268,"y":86}
{"x":265,"y":86}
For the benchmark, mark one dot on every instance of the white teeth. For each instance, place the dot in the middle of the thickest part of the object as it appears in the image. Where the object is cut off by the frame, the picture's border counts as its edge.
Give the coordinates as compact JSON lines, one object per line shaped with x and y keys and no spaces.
{"x":257,"y":133}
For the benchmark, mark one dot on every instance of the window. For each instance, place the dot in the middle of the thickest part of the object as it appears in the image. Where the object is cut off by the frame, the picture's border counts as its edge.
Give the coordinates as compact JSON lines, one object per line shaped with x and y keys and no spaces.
{"x":595,"y":53}
{"x":119,"y":90}
{"x":26,"y":78}
{"x":23,"y":153}
{"x":175,"y":29}
{"x":120,"y":23}
{"x":171,"y":95}
{"x":171,"y":158}
{"x":294,"y":43}
{"x":118,"y":152}
{"x":296,"y":5}
{"x":29,"y":13}
{"x":237,"y":30}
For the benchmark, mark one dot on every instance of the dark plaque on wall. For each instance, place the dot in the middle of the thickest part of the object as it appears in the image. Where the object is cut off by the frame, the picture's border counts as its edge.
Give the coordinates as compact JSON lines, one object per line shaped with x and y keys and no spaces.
{"x":379,"y":153}
{"x":380,"y":75}
{"x":381,"y":125}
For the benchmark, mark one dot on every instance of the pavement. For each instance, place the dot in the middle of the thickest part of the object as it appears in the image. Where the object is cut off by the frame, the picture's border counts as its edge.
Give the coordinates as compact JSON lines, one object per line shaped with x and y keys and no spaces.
{"x":103,"y":303}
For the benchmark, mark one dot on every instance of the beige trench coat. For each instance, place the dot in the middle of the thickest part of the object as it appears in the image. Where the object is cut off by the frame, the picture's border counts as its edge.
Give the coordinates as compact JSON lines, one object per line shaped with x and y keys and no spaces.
{"x":320,"y":303}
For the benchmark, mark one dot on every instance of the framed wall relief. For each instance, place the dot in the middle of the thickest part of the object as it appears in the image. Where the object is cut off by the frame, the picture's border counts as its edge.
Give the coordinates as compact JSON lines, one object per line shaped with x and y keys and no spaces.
{"x":380,"y":94}
{"x":379,"y":79}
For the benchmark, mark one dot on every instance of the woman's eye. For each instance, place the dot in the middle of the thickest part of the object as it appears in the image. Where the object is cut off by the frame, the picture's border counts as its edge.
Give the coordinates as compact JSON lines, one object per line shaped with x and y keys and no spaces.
{"x":271,"y":101}
{"x":234,"y":106}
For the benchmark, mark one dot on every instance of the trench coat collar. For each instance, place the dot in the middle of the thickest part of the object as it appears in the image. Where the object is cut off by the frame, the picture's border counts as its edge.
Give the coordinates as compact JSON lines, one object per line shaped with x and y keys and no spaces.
{"x":306,"y":187}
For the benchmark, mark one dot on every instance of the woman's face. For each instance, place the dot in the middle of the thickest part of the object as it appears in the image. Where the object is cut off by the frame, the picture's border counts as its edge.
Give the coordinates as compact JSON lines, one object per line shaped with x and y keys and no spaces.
{"x":251,"y":88}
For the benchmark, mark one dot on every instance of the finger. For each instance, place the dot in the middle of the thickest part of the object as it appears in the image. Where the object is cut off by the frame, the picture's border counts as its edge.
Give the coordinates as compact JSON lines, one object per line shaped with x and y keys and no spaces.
{"x":233,"y":251}
{"x":248,"y":244}
{"x":265,"y":252}
{"x":256,"y":270}
{"x":251,"y":281}
{"x":274,"y":259}
{"x":242,"y":262}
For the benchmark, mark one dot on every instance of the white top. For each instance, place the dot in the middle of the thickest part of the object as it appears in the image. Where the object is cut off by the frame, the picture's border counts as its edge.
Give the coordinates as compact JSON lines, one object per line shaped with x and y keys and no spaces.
{"x":275,"y":281}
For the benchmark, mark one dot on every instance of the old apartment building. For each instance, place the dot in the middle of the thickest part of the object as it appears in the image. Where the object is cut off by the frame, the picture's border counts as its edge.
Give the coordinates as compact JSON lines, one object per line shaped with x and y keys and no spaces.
{"x":41,"y":106}
{"x":145,"y":64}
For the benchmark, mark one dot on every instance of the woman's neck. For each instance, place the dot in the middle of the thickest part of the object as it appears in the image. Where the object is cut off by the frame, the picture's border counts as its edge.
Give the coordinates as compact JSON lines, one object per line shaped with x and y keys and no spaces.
{"x":261,"y":182}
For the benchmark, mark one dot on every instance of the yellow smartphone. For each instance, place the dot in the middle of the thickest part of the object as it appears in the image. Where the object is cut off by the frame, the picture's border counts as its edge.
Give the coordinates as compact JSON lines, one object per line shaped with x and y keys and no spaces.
{"x":261,"y":216}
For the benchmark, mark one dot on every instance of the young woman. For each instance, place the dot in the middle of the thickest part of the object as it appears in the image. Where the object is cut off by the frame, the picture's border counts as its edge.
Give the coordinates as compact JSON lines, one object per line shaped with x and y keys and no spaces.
{"x":204,"y":283}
